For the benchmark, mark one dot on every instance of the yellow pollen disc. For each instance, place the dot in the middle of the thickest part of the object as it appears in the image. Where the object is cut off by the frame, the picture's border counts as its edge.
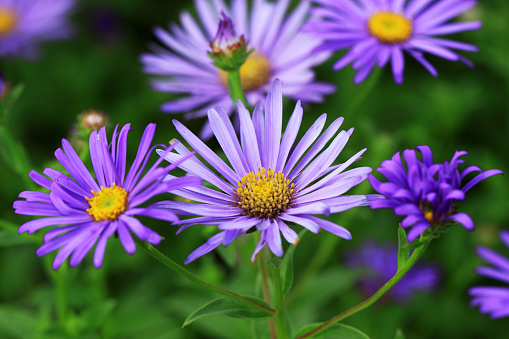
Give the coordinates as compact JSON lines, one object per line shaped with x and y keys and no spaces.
{"x":107,"y":204}
{"x":254,"y":73}
{"x":265,"y":194}
{"x":429,"y":216}
{"x":8,"y":21}
{"x":390,"y":28}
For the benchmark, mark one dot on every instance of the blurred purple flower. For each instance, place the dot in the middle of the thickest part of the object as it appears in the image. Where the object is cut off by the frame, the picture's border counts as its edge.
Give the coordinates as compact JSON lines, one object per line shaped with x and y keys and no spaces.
{"x":424,"y":192}
{"x":280,"y":51}
{"x":273,"y":181}
{"x":92,"y":210}
{"x":378,"y":31}
{"x":381,"y":263}
{"x":490,"y":299}
{"x":26,"y":23}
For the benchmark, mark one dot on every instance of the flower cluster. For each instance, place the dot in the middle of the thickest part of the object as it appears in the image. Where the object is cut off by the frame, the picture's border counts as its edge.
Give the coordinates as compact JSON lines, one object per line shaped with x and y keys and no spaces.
{"x":377,"y":32}
{"x":25,"y":23}
{"x":425,"y":192}
{"x":95,"y":209}
{"x":491,"y":299}
{"x":273,"y":180}
{"x":280,"y":50}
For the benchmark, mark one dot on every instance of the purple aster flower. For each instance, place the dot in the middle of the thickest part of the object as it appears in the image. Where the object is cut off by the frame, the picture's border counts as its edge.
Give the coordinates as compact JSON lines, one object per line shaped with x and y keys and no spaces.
{"x":424,"y":192}
{"x":92,"y":210}
{"x":377,"y":31}
{"x":280,"y":50}
{"x":490,"y":299}
{"x":381,"y":264}
{"x":25,"y":23}
{"x":272,"y":180}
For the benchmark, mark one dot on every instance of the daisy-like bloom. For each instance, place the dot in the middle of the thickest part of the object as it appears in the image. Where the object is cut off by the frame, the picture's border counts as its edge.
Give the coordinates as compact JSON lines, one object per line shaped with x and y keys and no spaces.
{"x":89,"y":211}
{"x":377,"y":31}
{"x":25,"y":23}
{"x":280,"y":50}
{"x":272,"y":180}
{"x":424,"y":192}
{"x":381,"y":263}
{"x":491,"y":299}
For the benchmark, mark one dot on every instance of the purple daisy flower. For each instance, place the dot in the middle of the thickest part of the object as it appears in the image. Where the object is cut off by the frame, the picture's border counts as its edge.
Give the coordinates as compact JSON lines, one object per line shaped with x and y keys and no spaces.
{"x":490,"y":299}
{"x":424,"y":192}
{"x":280,"y":50}
{"x":381,"y":263}
{"x":92,"y":210}
{"x":272,"y":180}
{"x":25,"y":23}
{"x":377,"y":31}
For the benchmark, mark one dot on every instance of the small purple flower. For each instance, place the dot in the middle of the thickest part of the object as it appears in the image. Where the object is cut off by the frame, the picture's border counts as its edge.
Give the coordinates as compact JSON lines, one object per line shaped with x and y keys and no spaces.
{"x":378,"y":31}
{"x":272,"y":31}
{"x":424,"y":192}
{"x":490,"y":299}
{"x":381,"y":263}
{"x":272,"y":179}
{"x":25,"y":23}
{"x":92,"y":210}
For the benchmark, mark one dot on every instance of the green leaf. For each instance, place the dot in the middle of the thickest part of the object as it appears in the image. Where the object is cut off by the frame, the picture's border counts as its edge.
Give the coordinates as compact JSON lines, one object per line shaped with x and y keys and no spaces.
{"x":12,"y":239}
{"x":97,"y":314}
{"x":403,"y":250}
{"x":286,"y":267}
{"x":13,"y":152}
{"x":336,"y":331}
{"x":399,"y":334}
{"x":10,"y":98}
{"x":229,"y":307}
{"x":17,"y":322}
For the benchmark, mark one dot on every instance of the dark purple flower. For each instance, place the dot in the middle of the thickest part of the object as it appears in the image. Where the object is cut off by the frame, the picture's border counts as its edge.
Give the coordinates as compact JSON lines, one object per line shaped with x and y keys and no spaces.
{"x":25,"y":23}
{"x":491,"y":299}
{"x":424,"y":192}
{"x":92,"y":210}
{"x":381,"y":263}
{"x":378,"y":31}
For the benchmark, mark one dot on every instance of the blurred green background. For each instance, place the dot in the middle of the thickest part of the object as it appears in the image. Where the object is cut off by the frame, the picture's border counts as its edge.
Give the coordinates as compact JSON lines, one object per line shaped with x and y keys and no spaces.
{"x":137,"y":297}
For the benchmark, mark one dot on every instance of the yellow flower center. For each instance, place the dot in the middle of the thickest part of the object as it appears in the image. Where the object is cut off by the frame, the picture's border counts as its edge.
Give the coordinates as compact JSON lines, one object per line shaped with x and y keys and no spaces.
{"x":265,"y":194}
{"x":107,"y":204}
{"x":390,"y":28}
{"x":254,"y":73}
{"x":8,"y":21}
{"x":429,"y":216}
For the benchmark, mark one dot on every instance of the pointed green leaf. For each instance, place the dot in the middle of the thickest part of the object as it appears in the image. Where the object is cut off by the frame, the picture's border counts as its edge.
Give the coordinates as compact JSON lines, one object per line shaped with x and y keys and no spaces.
{"x":336,"y":331}
{"x":399,"y":334}
{"x":96,"y":315}
{"x":287,"y":266}
{"x":229,"y":307}
{"x":403,"y":250}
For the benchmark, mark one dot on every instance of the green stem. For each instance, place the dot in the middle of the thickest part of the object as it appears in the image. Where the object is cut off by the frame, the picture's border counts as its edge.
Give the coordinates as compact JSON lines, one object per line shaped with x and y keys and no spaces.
{"x":361,"y":97}
{"x":371,"y":300}
{"x":280,"y":320}
{"x":235,"y":87}
{"x":191,"y":277}
{"x":266,"y":291}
